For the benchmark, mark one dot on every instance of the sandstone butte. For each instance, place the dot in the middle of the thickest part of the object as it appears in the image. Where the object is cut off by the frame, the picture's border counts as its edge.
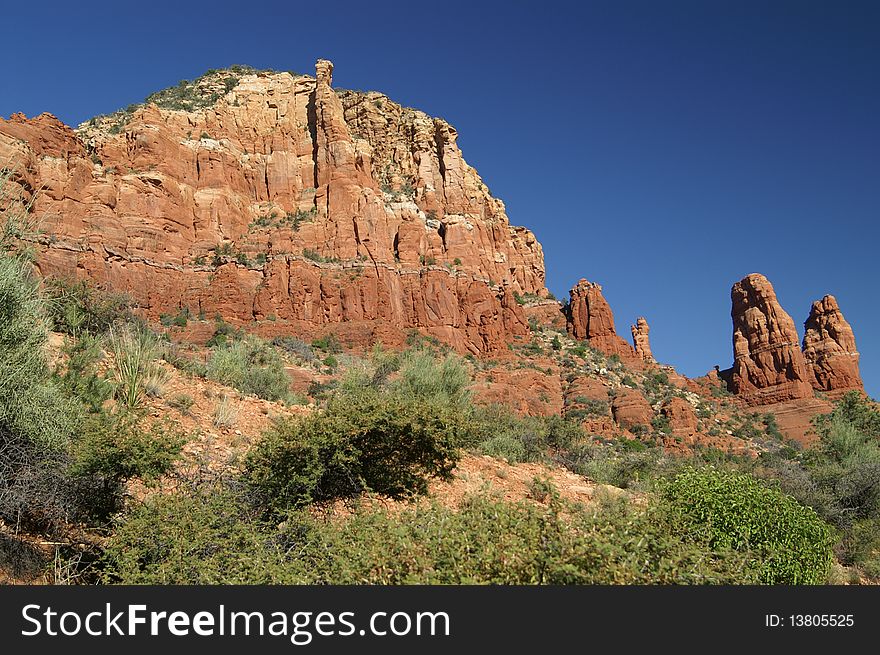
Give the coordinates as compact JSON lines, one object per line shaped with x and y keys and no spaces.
{"x":279,"y":203}
{"x":277,"y":197}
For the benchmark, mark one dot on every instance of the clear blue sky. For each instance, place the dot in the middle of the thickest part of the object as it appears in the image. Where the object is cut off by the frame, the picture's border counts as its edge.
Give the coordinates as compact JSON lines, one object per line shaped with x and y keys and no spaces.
{"x":662,"y":149}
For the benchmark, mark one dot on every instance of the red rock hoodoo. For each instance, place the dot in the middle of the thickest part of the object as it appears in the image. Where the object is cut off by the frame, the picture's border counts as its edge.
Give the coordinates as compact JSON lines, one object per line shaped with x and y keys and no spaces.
{"x":641,"y":341}
{"x":768,"y":366}
{"x":590,"y":318}
{"x":830,"y":349}
{"x":273,"y":196}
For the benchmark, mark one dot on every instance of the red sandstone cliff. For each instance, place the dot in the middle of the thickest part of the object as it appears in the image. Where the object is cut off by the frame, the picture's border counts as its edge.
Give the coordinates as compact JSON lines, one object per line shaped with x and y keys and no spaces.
{"x":273,"y":196}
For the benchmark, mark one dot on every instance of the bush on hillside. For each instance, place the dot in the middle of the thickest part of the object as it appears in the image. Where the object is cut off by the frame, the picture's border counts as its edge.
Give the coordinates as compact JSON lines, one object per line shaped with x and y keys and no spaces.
{"x":210,"y":539}
{"x":788,"y":542}
{"x":384,"y":443}
{"x":497,"y":431}
{"x":425,"y":376}
{"x":112,"y":449}
{"x":253,"y":367}
{"x":81,"y":377}
{"x":78,"y":308}
{"x":135,"y":364}
{"x":37,"y":420}
{"x":200,"y":538}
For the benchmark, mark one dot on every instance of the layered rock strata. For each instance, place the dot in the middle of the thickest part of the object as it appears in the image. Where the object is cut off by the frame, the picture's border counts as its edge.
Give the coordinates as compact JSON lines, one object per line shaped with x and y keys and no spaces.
{"x":273,"y":198}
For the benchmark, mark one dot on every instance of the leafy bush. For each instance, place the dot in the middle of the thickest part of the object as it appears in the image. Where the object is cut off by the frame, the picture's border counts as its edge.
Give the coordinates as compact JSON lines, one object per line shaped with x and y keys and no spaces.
{"x":329,"y":343}
{"x":37,"y":419}
{"x":77,"y":307}
{"x":178,"y":320}
{"x":495,"y":430}
{"x":422,"y":375}
{"x":81,"y":376}
{"x":192,"y":539}
{"x":789,"y":543}
{"x":295,"y":346}
{"x":223,"y":334}
{"x":113,"y":449}
{"x":252,"y":366}
{"x":209,"y":539}
{"x":385,"y":443}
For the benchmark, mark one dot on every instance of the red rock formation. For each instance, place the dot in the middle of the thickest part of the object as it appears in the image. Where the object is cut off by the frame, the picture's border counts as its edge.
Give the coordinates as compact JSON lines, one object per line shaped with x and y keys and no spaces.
{"x":681,"y":416}
{"x":588,"y":396}
{"x":630,"y":408}
{"x":590,"y":318}
{"x":768,"y":364}
{"x":546,"y":313}
{"x":527,"y":391}
{"x":280,"y":196}
{"x":830,"y":349}
{"x":641,"y":341}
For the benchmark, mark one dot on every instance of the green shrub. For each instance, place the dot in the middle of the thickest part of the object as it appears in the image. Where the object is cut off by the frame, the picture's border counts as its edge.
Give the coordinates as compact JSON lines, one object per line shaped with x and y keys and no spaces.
{"x":223,"y":334}
{"x":430,"y":378}
{"x":329,"y":343}
{"x":789,"y":543}
{"x":295,"y":346}
{"x":625,"y":463}
{"x":495,"y":430}
{"x":37,"y":419}
{"x":192,"y":539}
{"x":181,"y":319}
{"x":252,"y":366}
{"x":383,"y":443}
{"x":81,"y":377}
{"x":209,"y":539}
{"x":77,"y":307}
{"x":113,"y":449}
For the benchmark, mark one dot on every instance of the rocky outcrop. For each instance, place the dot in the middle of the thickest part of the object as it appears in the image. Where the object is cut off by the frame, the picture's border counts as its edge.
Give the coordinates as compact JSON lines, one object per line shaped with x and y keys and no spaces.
{"x":270,"y":195}
{"x":768,"y":364}
{"x":590,"y":318}
{"x":527,"y":391}
{"x":630,"y":408}
{"x":680,"y":415}
{"x":641,"y":341}
{"x":830,"y":349}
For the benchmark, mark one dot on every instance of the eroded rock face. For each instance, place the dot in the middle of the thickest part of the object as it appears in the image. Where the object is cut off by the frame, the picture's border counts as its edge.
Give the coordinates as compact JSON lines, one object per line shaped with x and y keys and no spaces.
{"x":641,"y":341}
{"x":830,"y":349}
{"x":590,"y":318}
{"x":681,"y":416}
{"x":281,"y":197}
{"x":526,"y":391}
{"x":768,"y":364}
{"x":630,"y":408}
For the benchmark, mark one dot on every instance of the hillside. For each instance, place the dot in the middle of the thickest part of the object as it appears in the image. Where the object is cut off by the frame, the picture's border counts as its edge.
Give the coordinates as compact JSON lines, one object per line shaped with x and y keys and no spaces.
{"x":255,"y":301}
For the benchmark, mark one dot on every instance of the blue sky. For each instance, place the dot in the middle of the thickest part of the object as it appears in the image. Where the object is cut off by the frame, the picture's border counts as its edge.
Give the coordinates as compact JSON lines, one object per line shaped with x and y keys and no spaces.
{"x":662,"y":149}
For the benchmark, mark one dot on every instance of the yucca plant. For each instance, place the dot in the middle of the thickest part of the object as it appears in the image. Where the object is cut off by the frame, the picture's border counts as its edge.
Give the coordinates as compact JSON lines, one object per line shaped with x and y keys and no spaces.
{"x":134,"y":363}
